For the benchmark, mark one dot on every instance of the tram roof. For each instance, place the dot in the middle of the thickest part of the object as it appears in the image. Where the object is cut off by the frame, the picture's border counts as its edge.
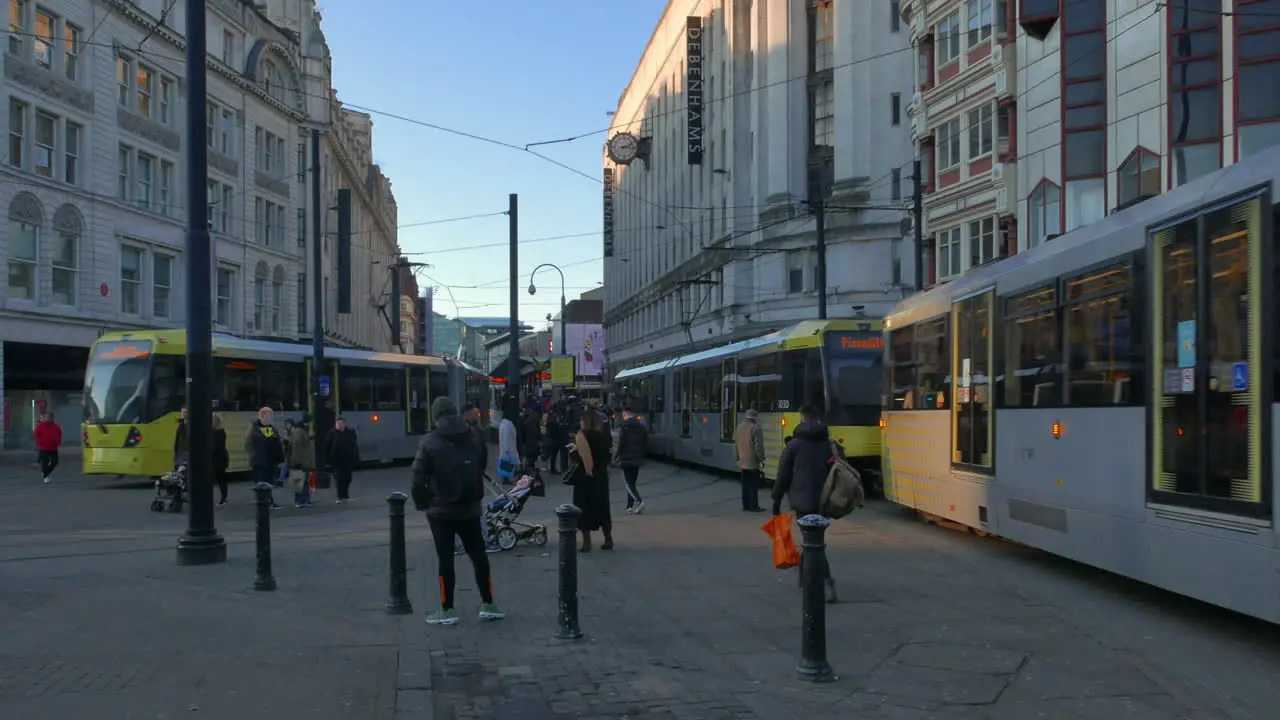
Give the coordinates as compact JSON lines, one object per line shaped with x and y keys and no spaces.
{"x":806,"y":333}
{"x":224,"y":344}
{"x":1096,"y":243}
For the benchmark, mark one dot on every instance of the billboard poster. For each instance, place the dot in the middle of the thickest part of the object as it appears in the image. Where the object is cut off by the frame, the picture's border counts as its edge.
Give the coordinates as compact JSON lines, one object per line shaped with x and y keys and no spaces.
{"x":586,"y":343}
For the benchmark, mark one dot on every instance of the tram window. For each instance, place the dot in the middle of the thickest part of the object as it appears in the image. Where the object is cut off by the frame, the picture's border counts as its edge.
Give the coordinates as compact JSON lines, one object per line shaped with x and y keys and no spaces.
{"x":902,"y":368}
{"x":706,"y":389}
{"x":758,"y":380}
{"x":438,"y":383}
{"x":241,"y":390}
{"x":972,"y":381}
{"x":933,"y":365}
{"x":168,"y":385}
{"x":1102,"y":353}
{"x":659,"y":393}
{"x":1032,"y":351}
{"x":356,"y":388}
{"x":283,"y":385}
{"x":388,"y":388}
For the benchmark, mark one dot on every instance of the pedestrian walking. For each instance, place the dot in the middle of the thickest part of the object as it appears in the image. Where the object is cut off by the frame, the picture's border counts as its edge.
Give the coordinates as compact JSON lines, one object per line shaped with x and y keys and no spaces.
{"x":508,"y":438}
{"x":748,"y":442}
{"x":550,"y":436}
{"x":221,"y":458}
{"x":344,"y":454}
{"x":48,"y":437}
{"x":265,"y":449}
{"x":802,"y":472}
{"x":591,"y":486}
{"x":448,"y":486}
{"x":633,"y":446}
{"x":182,"y":440}
{"x":301,"y":462}
{"x":529,"y":432}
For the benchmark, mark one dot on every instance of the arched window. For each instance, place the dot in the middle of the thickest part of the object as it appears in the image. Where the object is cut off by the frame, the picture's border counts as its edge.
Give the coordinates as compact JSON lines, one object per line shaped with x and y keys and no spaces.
{"x":1139,"y":177}
{"x":273,"y":80}
{"x":277,"y":297}
{"x":1044,"y":213}
{"x":260,"y":277}
{"x":25,"y":218}
{"x":64,"y":265}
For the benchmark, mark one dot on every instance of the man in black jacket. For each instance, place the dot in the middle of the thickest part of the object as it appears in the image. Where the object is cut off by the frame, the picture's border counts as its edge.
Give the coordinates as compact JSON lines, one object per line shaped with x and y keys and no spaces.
{"x":633,"y":445}
{"x":343,"y":451}
{"x":448,"y":485}
{"x":802,"y":471}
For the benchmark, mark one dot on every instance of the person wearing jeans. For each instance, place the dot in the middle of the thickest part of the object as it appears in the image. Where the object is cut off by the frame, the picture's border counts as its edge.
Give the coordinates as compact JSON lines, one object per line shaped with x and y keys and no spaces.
{"x":633,"y":444}
{"x":448,"y":485}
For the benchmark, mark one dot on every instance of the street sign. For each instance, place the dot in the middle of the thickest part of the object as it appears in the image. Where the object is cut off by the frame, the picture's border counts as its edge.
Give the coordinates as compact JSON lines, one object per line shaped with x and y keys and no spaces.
{"x":324,"y":386}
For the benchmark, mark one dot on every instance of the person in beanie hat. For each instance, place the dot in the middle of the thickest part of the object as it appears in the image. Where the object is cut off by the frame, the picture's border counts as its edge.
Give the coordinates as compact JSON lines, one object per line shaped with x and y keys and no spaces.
{"x":448,"y":486}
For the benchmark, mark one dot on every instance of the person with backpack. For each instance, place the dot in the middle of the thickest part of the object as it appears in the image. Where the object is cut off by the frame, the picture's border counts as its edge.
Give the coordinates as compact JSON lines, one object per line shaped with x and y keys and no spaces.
{"x":803,"y":471}
{"x":448,"y":486}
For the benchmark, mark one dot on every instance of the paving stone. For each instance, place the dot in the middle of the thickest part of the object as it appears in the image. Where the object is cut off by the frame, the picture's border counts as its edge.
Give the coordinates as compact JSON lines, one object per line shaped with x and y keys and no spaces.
{"x":963,"y":658}
{"x":934,"y":685}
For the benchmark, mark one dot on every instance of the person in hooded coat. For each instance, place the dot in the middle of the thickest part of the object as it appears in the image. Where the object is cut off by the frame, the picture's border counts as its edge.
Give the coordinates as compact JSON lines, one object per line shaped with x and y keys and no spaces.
{"x":802,"y":471}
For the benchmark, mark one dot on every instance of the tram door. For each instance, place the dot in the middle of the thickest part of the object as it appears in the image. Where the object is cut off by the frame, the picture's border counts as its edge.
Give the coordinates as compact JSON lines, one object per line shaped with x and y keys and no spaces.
{"x":1207,"y":424}
{"x":686,"y":416}
{"x":419,"y":400}
{"x":728,"y":399}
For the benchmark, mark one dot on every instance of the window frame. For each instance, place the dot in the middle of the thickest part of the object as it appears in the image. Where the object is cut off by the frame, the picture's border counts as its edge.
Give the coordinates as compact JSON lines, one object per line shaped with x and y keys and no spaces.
{"x":915,"y":388}
{"x":229,"y":298}
{"x":158,"y":289}
{"x":980,"y":147}
{"x":125,"y":174}
{"x":49,"y":169}
{"x":1010,"y":313}
{"x":134,"y":285}
{"x":1041,"y":189}
{"x":948,"y":47}
{"x":71,"y":155}
{"x":979,"y":33}
{"x":1273,"y":59}
{"x":33,"y":263}
{"x":950,"y":142}
{"x":976,"y":249}
{"x":955,"y":239}
{"x":1137,"y":159}
{"x":20,"y":110}
{"x":144,"y":192}
{"x":145,"y":89}
{"x":125,"y":68}
{"x":73,"y":269}
{"x":1100,"y":164}
{"x":1196,"y":22}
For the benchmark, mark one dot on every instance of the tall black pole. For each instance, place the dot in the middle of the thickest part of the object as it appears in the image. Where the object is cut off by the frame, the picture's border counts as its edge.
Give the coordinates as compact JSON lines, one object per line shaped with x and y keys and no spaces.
{"x":564,"y":334}
{"x":201,"y":544}
{"x":917,"y":219}
{"x":820,"y":272}
{"x":320,"y":418}
{"x":513,"y":362}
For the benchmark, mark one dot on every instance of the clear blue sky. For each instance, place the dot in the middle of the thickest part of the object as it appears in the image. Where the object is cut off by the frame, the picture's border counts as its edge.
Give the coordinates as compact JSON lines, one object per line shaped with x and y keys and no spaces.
{"x":518,"y":71}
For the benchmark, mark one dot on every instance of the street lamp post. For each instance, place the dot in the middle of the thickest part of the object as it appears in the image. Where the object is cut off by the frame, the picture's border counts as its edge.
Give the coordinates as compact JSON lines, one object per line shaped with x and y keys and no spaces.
{"x":564,"y":341}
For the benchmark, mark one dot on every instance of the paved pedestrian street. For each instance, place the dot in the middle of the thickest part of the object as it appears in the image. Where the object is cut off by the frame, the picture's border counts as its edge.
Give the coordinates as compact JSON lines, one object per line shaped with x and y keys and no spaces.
{"x":686,"y":618}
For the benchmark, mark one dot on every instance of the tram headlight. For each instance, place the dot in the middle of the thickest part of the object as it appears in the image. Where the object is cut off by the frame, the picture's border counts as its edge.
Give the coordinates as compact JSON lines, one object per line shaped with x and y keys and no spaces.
{"x":133,"y":438}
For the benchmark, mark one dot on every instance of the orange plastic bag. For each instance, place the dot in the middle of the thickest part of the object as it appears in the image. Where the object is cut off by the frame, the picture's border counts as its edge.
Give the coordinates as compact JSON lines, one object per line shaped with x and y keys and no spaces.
{"x":785,"y":554}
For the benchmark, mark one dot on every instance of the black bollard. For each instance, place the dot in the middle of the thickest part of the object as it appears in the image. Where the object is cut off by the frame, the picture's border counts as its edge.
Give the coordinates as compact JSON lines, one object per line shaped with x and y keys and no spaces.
{"x":814,"y":570}
{"x":398,"y":603}
{"x":567,"y":618}
{"x":265,"y":581}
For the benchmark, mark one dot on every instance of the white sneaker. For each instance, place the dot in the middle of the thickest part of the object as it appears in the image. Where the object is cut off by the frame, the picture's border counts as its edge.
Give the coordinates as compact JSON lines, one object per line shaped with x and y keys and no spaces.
{"x":638,"y":508}
{"x":48,"y":479}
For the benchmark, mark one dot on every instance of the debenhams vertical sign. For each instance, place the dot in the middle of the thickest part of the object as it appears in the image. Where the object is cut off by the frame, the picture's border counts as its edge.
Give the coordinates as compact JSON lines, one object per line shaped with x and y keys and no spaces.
{"x":608,"y":212}
{"x":693,"y":87}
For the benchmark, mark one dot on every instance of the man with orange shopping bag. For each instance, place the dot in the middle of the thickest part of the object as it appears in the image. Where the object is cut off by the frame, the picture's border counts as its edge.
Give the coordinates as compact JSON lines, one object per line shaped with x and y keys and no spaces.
{"x":802,"y":473}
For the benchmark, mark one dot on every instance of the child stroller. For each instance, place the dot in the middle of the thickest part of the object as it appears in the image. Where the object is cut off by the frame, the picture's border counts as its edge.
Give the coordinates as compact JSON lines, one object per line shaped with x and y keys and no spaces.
{"x":500,"y":515}
{"x":171,"y":490}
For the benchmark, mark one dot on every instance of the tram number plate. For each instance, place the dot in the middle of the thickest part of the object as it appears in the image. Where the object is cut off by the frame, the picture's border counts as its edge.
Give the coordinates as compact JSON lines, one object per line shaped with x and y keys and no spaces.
{"x":783,"y":404}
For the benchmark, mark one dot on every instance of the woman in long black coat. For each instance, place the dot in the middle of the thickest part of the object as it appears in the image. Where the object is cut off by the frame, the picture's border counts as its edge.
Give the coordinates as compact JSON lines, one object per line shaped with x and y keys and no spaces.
{"x":591,"y":487}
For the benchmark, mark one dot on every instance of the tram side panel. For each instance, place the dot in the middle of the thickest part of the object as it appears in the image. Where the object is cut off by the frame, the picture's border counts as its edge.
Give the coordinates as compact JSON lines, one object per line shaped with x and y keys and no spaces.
{"x":917,"y":465}
{"x":1071,"y":481}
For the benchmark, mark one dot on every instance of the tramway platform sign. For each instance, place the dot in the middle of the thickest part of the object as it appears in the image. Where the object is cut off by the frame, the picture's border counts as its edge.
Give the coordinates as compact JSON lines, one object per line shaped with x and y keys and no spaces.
{"x":324,"y":386}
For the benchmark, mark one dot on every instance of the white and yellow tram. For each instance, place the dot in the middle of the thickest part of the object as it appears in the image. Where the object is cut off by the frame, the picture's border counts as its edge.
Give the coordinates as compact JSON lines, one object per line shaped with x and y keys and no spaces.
{"x":1109,"y":396}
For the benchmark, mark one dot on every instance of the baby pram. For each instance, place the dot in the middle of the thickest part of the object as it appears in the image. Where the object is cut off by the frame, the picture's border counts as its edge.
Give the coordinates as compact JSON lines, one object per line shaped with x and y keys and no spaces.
{"x":171,"y":489}
{"x":500,"y":514}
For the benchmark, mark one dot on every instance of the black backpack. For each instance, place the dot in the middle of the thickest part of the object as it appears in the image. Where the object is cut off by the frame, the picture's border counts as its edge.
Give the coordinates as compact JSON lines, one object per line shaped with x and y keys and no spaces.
{"x":455,"y":473}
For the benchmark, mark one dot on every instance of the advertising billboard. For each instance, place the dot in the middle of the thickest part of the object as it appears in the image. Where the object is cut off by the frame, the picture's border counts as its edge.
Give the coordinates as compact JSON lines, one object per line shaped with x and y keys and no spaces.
{"x":586,"y":343}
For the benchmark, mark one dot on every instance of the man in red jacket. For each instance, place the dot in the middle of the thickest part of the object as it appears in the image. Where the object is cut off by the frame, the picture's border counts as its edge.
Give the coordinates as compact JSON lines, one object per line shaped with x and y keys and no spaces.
{"x":48,"y":439}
